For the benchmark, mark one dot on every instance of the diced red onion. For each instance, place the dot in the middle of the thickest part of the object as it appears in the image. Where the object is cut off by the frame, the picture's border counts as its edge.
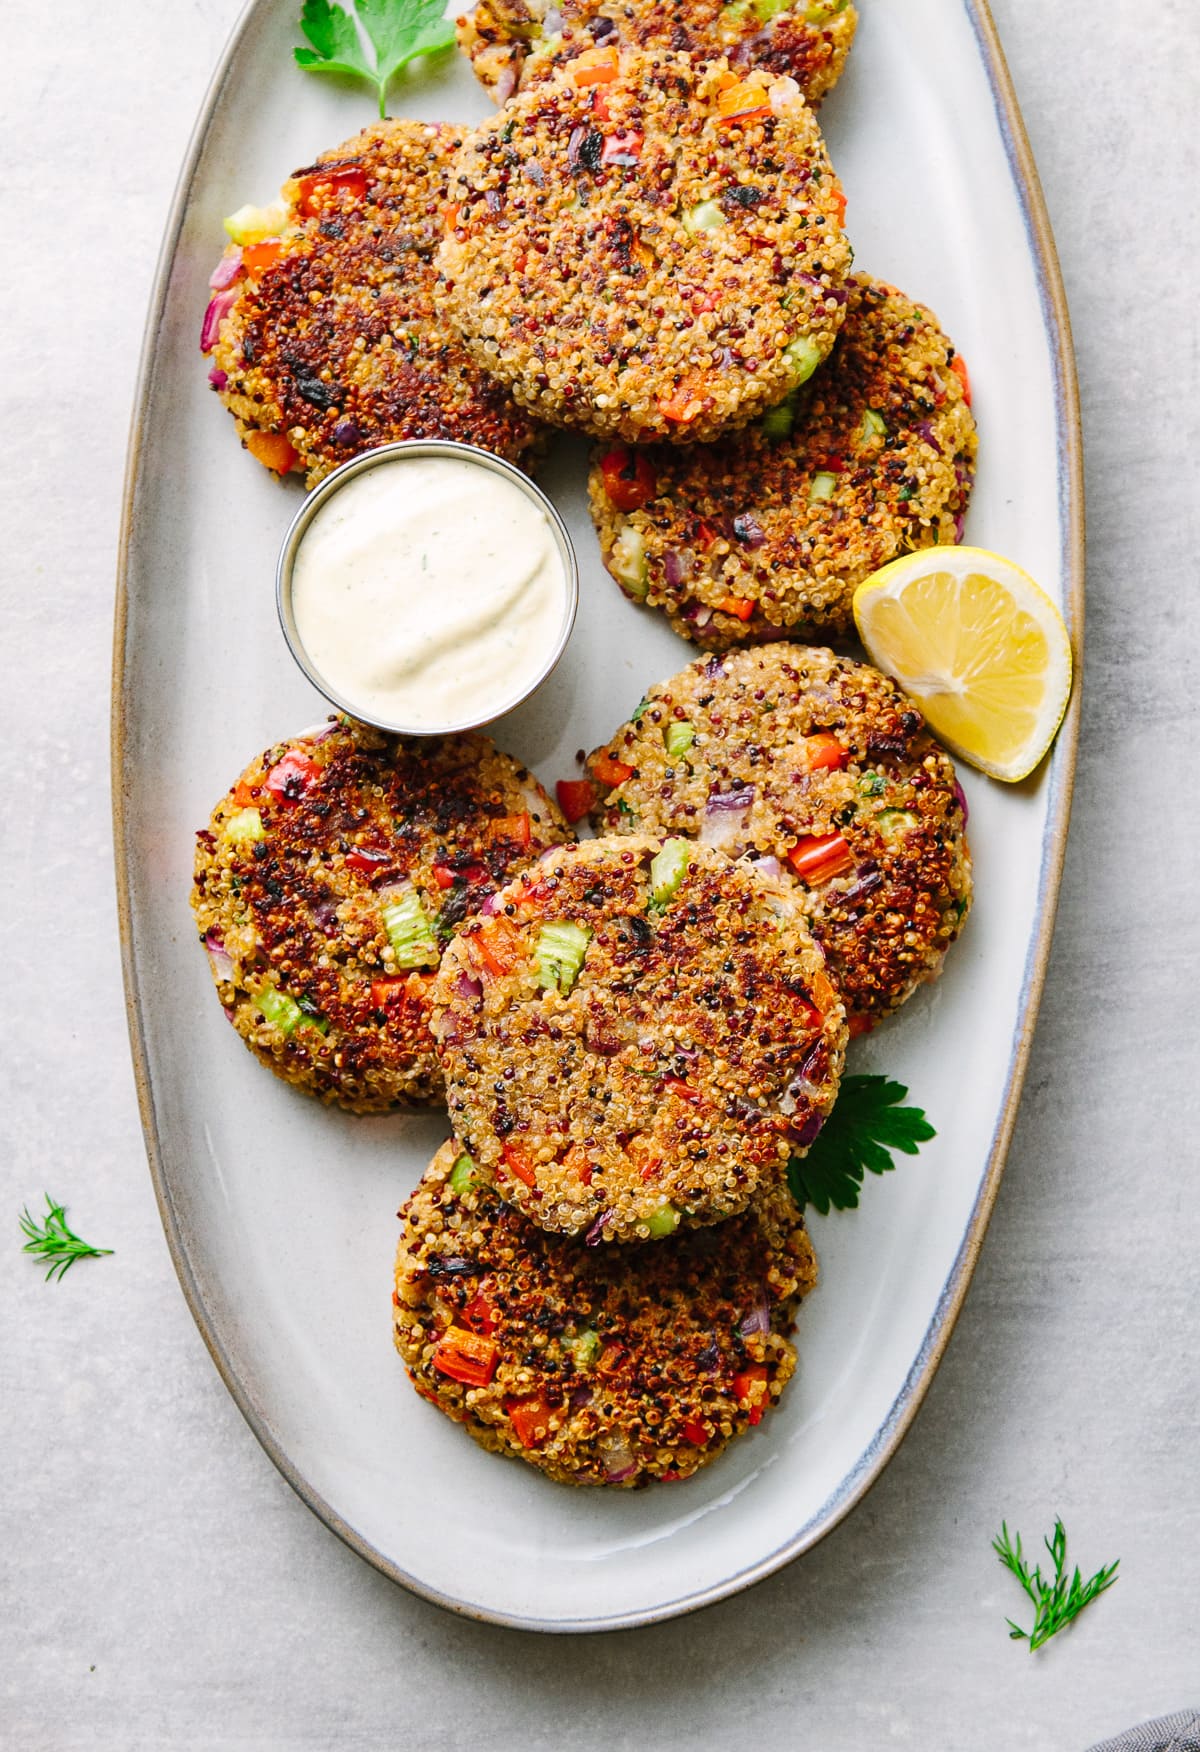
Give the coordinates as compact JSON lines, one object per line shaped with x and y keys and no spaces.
{"x":222,"y":961}
{"x":619,"y":1463}
{"x":725,"y":817}
{"x":391,"y":891}
{"x":769,"y":866}
{"x":470,"y":990}
{"x":602,"y":27}
{"x":867,"y":883}
{"x":535,"y":173}
{"x":218,"y":309}
{"x":925,"y":428}
{"x":325,"y":914}
{"x":749,"y":531}
{"x":506,"y":84}
{"x":623,"y":1474}
{"x":960,"y":524}
{"x":962,"y":802}
{"x":678,"y":564}
{"x":227,"y":270}
{"x":490,"y":907}
{"x":318,"y":732}
{"x":758,"y":1319}
{"x":807,"y":1134}
{"x":218,"y":378}
{"x":346,"y":433}
{"x":552,"y":24}
{"x":595,"y":1233}
{"x":714,"y":667}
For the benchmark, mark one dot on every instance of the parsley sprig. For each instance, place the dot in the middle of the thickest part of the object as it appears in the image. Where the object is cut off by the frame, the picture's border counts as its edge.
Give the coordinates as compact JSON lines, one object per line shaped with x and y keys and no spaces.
{"x":866,"y":1125}
{"x":396,"y":29}
{"x":52,"y":1240}
{"x":1057,"y":1602}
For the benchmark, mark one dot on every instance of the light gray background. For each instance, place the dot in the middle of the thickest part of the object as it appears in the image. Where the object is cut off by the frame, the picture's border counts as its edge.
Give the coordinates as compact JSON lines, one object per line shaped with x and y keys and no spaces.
{"x":161,"y":1586}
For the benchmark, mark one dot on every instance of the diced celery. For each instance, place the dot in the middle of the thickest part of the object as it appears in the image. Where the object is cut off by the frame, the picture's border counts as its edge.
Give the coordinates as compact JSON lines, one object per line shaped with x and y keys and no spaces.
{"x":892,"y":823}
{"x":821,"y":487}
{"x":778,"y":422}
{"x":679,"y":737}
{"x":628,"y":560}
{"x":766,"y":10}
{"x":559,"y":953}
{"x":803,"y":355}
{"x":705,"y":216}
{"x":584,"y":1348}
{"x":821,"y":11}
{"x":252,"y":224}
{"x":667,"y":870}
{"x":244,"y":826}
{"x":464,"y":1175}
{"x":733,"y":18}
{"x":280,"y":1011}
{"x":663,"y":1221}
{"x":873,"y":425}
{"x":410,"y":931}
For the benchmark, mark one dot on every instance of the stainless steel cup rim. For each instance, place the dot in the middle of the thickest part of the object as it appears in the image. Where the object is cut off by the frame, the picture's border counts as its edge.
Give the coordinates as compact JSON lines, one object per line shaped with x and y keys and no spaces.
{"x":401,"y":450}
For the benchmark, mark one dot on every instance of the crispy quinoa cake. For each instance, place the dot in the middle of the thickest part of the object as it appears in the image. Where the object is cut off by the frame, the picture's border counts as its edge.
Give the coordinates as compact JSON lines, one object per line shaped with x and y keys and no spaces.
{"x":328,"y":339}
{"x":768,"y":534}
{"x":645,"y":247}
{"x":609,"y":1365}
{"x":327,"y":882}
{"x":638,"y":1035}
{"x":822,"y":769}
{"x":512,"y":42}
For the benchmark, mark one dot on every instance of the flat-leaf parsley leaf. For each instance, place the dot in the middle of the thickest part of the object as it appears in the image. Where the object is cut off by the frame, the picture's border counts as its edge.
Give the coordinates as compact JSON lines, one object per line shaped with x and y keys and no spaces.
{"x":52,"y":1240}
{"x":398,"y":30}
{"x":1056,"y":1603}
{"x":866,"y":1125}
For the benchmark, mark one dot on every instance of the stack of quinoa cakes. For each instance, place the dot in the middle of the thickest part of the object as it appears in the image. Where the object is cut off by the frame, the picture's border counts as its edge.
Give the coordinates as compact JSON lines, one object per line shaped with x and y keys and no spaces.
{"x":600,"y":1271}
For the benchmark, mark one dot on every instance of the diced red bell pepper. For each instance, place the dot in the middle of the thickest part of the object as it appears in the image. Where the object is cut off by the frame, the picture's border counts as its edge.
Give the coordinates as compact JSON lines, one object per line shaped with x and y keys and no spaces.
{"x":858,"y":1025}
{"x":741,"y":606}
{"x":682,"y":406}
{"x":818,"y":857}
{"x":469,"y":1357}
{"x":500,"y":946}
{"x":443,"y":875}
{"x":619,"y":147}
{"x":479,"y":1314}
{"x":839,"y":205}
{"x":317,"y":189}
{"x":705,"y":534}
{"x":750,"y":1388}
{"x":530,"y":1419}
{"x":595,"y":67}
{"x":576,"y":798}
{"x":518,"y":1161}
{"x":273,"y":450}
{"x":742,"y":102}
{"x":959,"y":367}
{"x":824,"y":753}
{"x":629,"y":478}
{"x":696,"y":1433}
{"x":367,"y":859}
{"x":610,"y":772}
{"x":517,"y":828}
{"x":611,"y":1359}
{"x":258,"y":257}
{"x":292,"y":777}
{"x":404,"y":989}
{"x":685,"y":1092}
{"x":246,"y":796}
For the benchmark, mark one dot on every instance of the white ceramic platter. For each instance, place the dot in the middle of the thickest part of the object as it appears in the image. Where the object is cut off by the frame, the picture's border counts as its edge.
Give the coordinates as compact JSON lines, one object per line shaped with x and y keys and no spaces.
{"x":280,"y":1213}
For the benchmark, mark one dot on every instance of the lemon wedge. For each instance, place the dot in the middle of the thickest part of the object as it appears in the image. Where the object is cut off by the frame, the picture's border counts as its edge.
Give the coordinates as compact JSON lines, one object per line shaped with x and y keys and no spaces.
{"x":981,"y":649}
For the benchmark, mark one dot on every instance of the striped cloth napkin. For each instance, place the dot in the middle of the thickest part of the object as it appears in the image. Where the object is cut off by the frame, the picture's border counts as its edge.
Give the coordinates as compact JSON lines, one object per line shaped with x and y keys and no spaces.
{"x":1173,"y":1733}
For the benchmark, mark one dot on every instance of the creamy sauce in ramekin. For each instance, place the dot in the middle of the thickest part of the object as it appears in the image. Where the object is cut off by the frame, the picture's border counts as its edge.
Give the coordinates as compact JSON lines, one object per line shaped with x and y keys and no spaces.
{"x":429,"y":592}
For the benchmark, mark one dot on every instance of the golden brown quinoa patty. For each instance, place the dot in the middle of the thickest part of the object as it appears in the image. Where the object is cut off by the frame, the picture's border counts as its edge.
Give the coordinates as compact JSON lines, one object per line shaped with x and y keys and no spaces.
{"x":512,"y":42}
{"x":338,"y":345}
{"x":789,"y":745}
{"x":690,"y":1046}
{"x":630,"y":263}
{"x":608,"y":1365}
{"x":320,"y":835}
{"x":768,"y":534}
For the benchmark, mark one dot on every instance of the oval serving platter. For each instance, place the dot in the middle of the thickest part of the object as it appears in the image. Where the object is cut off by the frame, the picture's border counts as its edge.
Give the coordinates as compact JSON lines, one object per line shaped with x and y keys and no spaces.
{"x":280,"y":1214}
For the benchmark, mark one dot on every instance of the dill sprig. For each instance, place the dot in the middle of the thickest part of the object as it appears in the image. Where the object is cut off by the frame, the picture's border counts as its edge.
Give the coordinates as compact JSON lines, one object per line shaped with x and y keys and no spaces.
{"x":53,"y":1240}
{"x":1057,"y":1602}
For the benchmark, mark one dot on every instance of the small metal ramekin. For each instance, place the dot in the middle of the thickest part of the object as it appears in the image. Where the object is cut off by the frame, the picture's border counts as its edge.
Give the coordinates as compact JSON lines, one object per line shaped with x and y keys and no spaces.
{"x":386,"y":453}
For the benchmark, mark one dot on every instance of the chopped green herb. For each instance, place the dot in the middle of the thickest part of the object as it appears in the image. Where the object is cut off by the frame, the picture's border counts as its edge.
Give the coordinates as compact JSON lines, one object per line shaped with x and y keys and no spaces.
{"x":871,"y":784}
{"x":866,"y":1125}
{"x":52,"y":1240}
{"x":1056,"y":1602}
{"x":906,"y":493}
{"x":397,"y":29}
{"x":635,"y":717}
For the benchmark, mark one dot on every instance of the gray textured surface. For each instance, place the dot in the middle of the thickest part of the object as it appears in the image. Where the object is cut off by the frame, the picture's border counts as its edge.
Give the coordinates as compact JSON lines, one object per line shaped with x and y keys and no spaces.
{"x":161,"y":1587}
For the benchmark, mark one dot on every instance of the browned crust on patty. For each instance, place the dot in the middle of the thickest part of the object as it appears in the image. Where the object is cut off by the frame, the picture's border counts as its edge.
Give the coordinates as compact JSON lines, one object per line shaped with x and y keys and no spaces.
{"x":886,"y":923}
{"x":634,"y":1359}
{"x":339,"y":345}
{"x":698,"y":1043}
{"x":350,"y":821}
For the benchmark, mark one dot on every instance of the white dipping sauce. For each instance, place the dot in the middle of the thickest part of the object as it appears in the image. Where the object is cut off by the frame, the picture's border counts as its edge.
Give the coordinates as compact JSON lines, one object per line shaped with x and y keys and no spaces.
{"x":429,"y":591}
